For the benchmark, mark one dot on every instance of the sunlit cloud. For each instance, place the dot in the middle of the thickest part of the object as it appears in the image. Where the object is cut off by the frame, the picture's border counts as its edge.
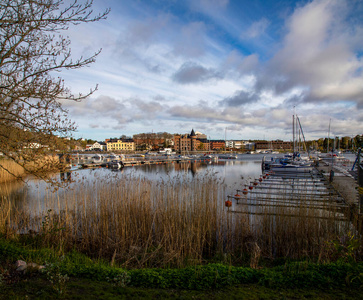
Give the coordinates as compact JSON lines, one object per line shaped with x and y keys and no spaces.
{"x":221,"y":64}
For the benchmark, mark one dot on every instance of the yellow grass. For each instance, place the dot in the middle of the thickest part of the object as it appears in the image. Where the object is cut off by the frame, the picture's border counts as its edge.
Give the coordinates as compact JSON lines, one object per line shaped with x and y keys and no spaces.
{"x":176,"y":222}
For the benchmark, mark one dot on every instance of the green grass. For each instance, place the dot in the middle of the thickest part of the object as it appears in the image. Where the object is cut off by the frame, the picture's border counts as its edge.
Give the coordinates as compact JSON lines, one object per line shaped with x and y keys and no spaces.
{"x":79,"y":288}
{"x":96,"y":279}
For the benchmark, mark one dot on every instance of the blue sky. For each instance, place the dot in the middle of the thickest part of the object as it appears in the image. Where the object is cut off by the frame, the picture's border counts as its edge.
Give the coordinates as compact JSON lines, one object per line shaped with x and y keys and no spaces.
{"x":234,"y":67}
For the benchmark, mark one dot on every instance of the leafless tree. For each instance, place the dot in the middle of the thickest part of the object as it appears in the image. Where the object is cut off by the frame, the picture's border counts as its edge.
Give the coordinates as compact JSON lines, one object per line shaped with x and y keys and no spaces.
{"x":32,"y":52}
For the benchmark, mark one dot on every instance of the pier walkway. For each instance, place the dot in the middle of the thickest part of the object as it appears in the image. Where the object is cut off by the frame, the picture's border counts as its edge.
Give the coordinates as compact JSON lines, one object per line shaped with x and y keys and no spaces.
{"x":330,"y":191}
{"x":342,"y":180}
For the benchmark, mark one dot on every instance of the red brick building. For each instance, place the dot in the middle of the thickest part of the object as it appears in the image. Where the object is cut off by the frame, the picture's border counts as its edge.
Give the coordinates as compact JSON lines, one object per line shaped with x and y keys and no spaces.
{"x":217,"y":144}
{"x":191,"y":142}
{"x":185,"y":142}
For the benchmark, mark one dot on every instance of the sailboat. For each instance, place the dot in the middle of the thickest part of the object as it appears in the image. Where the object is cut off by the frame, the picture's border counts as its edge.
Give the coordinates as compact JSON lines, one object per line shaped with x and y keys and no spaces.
{"x":295,"y":163}
{"x":333,"y":154}
{"x":226,"y":155}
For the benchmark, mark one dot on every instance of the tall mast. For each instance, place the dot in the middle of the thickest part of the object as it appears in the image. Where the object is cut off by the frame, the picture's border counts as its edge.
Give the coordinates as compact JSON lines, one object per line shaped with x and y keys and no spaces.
{"x":293,"y":133}
{"x":327,"y":148}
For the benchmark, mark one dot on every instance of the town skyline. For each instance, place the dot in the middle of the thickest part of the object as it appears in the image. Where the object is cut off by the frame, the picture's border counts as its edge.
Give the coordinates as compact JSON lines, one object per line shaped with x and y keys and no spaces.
{"x":230,"y":68}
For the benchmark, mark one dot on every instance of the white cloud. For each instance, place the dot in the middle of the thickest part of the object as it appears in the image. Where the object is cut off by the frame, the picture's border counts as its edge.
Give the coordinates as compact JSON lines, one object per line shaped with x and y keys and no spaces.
{"x":160,"y":69}
{"x":257,"y":29}
{"x":317,"y":54}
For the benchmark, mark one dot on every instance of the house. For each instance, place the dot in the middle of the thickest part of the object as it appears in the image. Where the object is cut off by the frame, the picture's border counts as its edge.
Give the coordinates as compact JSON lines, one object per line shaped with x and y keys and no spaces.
{"x":101,"y":146}
{"x":120,"y":145}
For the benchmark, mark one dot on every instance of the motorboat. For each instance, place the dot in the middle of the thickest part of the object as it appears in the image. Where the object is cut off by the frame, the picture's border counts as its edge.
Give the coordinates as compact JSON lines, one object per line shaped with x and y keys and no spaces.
{"x":292,"y":167}
{"x":227,"y":156}
{"x":115,"y":164}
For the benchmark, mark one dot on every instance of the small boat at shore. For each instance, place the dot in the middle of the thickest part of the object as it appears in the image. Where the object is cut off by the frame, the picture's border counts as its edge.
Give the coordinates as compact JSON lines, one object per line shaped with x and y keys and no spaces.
{"x":291,"y":167}
{"x":115,"y":164}
{"x":335,"y":155}
{"x":227,"y":156}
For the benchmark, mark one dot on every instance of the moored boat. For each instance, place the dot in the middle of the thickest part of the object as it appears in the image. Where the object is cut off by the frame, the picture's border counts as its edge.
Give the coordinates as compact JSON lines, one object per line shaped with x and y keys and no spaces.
{"x":227,"y":156}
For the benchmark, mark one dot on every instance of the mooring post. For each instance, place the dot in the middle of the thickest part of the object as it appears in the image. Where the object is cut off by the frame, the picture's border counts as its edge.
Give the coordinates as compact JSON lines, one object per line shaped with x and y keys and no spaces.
{"x":331,"y":177}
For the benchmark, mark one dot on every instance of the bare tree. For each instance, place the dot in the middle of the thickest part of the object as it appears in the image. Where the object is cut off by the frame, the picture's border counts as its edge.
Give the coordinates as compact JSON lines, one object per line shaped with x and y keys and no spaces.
{"x":32,"y":51}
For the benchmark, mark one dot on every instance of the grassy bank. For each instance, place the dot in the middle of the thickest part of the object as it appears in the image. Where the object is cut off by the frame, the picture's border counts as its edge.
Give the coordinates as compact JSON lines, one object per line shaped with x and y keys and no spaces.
{"x":74,"y":275}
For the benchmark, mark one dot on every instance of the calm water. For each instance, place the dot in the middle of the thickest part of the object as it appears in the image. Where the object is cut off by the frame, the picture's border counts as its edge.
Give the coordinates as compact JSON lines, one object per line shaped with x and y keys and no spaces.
{"x":235,"y":173}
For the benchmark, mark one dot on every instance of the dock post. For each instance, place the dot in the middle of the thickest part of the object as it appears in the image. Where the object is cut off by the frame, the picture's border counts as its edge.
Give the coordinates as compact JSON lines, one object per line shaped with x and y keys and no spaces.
{"x":331,"y":177}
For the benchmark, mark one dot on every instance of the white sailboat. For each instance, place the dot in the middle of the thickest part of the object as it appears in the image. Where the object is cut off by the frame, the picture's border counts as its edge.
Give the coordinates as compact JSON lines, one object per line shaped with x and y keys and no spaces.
{"x":296,"y":163}
{"x":332,"y":155}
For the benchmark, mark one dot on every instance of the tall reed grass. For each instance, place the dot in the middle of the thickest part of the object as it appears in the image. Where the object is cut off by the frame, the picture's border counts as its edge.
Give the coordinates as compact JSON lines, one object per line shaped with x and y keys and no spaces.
{"x":172,"y":223}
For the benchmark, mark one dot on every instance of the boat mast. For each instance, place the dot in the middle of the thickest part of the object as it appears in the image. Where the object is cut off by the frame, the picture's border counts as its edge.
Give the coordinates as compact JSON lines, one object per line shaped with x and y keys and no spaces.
{"x":293,"y":133}
{"x":302,"y":133}
{"x":327,"y":148}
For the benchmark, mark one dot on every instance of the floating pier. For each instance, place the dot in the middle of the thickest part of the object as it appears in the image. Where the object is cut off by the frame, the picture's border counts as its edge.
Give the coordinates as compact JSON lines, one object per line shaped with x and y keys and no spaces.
{"x":327,"y":192}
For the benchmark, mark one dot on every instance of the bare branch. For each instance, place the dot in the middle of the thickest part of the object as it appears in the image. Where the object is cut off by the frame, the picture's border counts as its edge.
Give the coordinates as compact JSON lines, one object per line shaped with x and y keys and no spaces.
{"x":32,"y":48}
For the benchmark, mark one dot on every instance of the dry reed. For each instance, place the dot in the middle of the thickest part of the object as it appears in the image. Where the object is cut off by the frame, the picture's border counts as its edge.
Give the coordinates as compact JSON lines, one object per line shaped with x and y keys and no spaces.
{"x":175,"y":222}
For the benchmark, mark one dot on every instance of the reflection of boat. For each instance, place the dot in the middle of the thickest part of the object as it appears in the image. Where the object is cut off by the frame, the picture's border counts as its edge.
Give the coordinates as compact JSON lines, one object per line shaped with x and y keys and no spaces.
{"x":97,"y":158}
{"x":227,"y":156}
{"x":213,"y":158}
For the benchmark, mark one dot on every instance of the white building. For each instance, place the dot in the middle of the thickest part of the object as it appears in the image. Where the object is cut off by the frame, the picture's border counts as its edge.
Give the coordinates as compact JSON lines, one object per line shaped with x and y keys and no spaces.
{"x":99,"y":146}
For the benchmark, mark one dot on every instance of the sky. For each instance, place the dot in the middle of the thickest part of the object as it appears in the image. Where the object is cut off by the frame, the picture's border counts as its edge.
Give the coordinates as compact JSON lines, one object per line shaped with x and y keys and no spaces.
{"x":231,"y":69}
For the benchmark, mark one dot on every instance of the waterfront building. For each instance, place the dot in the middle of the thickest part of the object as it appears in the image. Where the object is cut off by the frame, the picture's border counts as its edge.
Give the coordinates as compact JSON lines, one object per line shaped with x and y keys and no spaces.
{"x":217,"y":144}
{"x":191,"y":142}
{"x":101,"y":146}
{"x":120,"y":145}
{"x":185,"y":142}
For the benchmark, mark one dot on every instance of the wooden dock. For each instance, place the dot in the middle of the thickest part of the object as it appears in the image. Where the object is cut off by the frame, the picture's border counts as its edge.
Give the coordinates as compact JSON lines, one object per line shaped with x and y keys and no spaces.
{"x":326,"y":192}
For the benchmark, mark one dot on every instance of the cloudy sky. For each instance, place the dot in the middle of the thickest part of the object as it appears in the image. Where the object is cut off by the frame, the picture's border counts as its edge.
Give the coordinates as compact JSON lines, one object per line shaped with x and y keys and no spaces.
{"x":227,"y":68}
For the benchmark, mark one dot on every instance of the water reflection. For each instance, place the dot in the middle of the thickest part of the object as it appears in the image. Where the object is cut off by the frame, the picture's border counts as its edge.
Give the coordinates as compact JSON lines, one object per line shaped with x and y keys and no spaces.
{"x":235,"y":174}
{"x":31,"y":196}
{"x":65,"y":176}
